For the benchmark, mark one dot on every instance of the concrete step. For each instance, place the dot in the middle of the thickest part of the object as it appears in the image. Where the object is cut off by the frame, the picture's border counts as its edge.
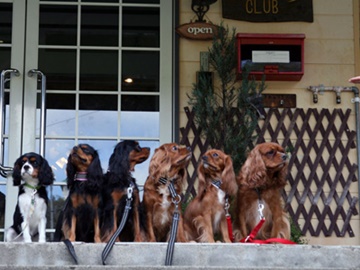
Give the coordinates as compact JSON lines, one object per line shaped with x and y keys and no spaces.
{"x":186,"y":256}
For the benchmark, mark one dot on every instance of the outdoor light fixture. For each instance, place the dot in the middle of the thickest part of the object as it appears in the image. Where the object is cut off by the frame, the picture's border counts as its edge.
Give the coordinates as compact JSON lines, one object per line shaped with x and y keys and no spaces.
{"x":128,"y":80}
{"x":200,"y":7}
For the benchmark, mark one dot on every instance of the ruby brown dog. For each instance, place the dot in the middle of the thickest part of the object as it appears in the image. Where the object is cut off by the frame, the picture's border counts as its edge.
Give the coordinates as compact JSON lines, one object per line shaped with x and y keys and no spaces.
{"x":261,"y":180}
{"x":205,"y":214}
{"x":167,"y":167}
{"x":30,"y":212}
{"x":118,"y":180}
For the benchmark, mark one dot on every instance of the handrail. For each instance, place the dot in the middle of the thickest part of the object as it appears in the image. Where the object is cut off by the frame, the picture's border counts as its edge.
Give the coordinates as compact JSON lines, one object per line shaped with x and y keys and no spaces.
{"x":4,"y":170}
{"x":31,"y":73}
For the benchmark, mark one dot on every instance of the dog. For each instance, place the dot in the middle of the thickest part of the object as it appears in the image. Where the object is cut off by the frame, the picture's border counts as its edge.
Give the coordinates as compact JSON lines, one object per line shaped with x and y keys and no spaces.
{"x":29,"y":219}
{"x":167,"y":167}
{"x":261,"y":180}
{"x":118,"y":179}
{"x":81,"y":215}
{"x":205,"y":214}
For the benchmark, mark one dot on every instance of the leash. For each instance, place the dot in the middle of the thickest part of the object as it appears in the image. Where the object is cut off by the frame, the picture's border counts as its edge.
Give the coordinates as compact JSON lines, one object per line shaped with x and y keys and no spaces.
{"x":112,"y":240}
{"x":82,"y":177}
{"x":217,"y":184}
{"x":174,"y":226}
{"x":228,"y":219}
{"x":251,"y":237}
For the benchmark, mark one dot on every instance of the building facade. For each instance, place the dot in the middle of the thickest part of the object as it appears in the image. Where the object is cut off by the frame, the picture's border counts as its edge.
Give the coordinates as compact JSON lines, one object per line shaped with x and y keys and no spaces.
{"x":118,"y":70}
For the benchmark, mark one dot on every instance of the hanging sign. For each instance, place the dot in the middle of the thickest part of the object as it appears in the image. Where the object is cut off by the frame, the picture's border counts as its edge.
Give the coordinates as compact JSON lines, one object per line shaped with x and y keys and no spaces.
{"x":197,"y":30}
{"x":268,"y":10}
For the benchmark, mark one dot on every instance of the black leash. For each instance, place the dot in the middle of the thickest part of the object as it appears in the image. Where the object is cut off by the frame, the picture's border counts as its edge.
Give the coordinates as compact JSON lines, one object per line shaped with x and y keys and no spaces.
{"x":174,"y":226}
{"x":71,"y":250}
{"x":112,"y":240}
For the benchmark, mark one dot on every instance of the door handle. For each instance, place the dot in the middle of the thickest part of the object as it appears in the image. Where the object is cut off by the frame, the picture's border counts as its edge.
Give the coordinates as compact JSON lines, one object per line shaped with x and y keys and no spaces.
{"x":4,"y":170}
{"x":39,"y":74}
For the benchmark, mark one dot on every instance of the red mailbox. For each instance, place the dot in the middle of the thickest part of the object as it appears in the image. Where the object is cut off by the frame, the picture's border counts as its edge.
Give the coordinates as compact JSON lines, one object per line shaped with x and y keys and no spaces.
{"x":279,"y":56}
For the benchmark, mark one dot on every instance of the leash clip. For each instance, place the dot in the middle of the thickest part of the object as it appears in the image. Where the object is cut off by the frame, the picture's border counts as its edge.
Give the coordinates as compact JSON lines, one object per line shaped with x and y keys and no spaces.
{"x":129,"y":192}
{"x":226,"y":207}
{"x":260,"y":209}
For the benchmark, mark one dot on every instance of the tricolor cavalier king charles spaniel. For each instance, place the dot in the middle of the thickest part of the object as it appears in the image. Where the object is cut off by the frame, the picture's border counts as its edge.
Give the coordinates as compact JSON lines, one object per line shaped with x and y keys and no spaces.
{"x":32,"y":174}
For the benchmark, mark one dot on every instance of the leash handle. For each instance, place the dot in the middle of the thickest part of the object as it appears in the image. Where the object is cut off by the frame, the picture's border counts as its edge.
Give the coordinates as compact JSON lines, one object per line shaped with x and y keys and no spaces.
{"x":110,"y":244}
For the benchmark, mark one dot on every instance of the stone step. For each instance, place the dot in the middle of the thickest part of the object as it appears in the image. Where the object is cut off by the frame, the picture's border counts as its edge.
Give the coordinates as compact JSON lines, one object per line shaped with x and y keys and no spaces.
{"x":186,"y":256}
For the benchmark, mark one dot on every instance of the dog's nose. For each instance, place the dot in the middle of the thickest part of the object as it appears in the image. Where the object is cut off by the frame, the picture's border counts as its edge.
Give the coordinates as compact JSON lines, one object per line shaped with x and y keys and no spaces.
{"x":205,"y":158}
{"x":188,"y":148}
{"x":284,"y":157}
{"x":26,"y":167}
{"x":75,"y":148}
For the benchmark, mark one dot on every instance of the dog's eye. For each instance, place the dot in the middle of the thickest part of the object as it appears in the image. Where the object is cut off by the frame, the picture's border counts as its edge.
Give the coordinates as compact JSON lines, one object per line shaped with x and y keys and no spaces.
{"x":175,"y":148}
{"x":138,"y":148}
{"x":271,"y":152}
{"x":215,"y":155}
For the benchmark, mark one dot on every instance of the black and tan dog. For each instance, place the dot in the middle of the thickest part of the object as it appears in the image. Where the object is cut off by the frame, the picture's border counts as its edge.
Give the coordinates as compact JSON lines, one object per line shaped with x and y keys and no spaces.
{"x":118,"y":180}
{"x":81,"y":215}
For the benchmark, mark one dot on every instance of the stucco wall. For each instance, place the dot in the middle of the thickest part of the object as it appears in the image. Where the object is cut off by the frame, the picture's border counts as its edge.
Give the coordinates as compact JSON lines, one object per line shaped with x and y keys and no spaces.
{"x":331,"y":52}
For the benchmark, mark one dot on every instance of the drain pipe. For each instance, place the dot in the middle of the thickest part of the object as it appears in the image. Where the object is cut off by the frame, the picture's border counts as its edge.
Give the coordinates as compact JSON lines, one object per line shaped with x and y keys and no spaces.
{"x":356,"y":100}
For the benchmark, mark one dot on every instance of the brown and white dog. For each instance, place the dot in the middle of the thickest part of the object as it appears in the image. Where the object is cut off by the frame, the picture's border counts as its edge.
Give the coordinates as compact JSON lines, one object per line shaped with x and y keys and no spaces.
{"x":205,"y":214}
{"x":261,"y":180}
{"x":167,"y":166}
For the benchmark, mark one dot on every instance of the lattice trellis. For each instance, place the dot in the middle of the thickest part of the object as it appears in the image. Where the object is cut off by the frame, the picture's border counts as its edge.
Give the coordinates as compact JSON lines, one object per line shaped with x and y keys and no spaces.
{"x":320,"y":171}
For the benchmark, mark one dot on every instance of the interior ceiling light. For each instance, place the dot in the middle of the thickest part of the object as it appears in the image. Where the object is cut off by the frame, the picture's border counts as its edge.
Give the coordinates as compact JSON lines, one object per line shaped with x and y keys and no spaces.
{"x":128,"y":80}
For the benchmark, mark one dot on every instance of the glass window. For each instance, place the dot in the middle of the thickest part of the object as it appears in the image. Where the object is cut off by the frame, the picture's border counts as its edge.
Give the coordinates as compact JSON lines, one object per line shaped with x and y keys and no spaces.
{"x":5,"y":23}
{"x":59,"y":66}
{"x":140,"y":71}
{"x":58,"y":25}
{"x":60,"y":114}
{"x":98,"y":70}
{"x":99,"y":26}
{"x":98,"y":115}
{"x":141,"y":27}
{"x":142,"y":1}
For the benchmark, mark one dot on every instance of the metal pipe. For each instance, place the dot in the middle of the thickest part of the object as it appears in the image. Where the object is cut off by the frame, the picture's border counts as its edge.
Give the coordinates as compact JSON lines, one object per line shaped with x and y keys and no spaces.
{"x":356,"y":100}
{"x":4,"y":169}
{"x":43,"y":107}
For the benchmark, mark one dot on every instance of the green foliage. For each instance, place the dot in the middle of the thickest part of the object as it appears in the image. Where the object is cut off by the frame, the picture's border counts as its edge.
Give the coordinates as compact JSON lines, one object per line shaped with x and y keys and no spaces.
{"x":226,"y":111}
{"x":295,"y":234}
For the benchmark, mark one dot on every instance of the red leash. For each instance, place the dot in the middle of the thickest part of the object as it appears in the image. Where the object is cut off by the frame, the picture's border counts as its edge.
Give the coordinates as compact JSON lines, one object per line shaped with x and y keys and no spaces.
{"x":251,"y":237}
{"x":231,"y":235}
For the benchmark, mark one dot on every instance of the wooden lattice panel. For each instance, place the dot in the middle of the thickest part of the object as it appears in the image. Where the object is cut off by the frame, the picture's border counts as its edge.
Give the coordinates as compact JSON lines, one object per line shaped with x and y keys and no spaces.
{"x":320,"y":172}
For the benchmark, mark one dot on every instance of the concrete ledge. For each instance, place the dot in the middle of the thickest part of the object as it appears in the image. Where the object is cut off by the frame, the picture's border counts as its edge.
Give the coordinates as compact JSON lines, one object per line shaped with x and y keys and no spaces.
{"x":186,"y":256}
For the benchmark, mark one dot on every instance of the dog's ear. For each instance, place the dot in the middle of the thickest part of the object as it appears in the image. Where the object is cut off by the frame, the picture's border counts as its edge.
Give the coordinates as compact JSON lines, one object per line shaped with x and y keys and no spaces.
{"x":95,"y":172}
{"x":70,"y":172}
{"x":46,"y":175}
{"x":119,"y":161}
{"x":202,"y":179}
{"x":228,"y":176}
{"x":16,"y":174}
{"x":253,"y":172}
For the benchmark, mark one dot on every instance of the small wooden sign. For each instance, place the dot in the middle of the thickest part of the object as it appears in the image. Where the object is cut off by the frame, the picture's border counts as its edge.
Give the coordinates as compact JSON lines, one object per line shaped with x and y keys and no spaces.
{"x":197,"y":30}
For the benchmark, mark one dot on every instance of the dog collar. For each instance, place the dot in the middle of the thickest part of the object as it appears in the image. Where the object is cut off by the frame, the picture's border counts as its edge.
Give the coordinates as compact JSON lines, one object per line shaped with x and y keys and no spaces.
{"x":32,"y":187}
{"x":216,"y":183}
{"x":81,"y":176}
{"x":164,"y":180}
